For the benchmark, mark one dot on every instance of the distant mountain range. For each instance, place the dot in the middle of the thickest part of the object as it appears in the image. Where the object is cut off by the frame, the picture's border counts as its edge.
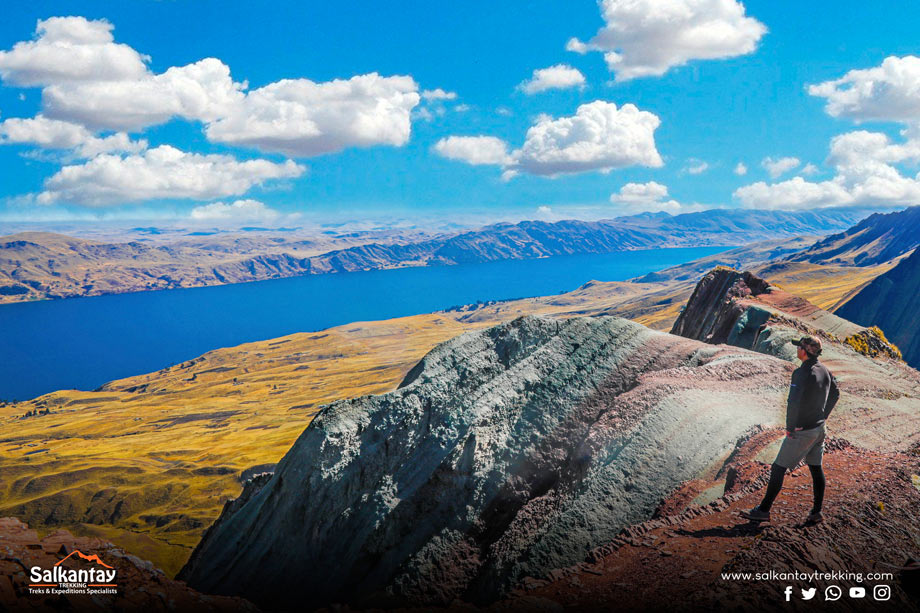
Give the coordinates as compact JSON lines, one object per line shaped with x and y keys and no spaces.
{"x":42,"y":265}
{"x":888,"y":300}
{"x":878,"y":238}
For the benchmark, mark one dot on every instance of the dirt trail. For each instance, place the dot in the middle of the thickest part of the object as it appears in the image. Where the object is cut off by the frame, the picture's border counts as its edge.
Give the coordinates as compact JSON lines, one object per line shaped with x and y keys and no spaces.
{"x":677,"y":559}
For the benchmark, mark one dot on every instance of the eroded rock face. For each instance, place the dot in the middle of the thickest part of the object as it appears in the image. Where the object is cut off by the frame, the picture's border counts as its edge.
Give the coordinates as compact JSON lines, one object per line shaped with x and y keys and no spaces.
{"x":744,"y":310}
{"x":713,"y":311}
{"x":880,"y":395}
{"x":505,"y":453}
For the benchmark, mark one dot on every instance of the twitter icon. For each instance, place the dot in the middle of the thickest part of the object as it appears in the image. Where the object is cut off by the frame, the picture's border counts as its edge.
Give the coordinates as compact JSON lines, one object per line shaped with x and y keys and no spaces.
{"x":809,"y":593}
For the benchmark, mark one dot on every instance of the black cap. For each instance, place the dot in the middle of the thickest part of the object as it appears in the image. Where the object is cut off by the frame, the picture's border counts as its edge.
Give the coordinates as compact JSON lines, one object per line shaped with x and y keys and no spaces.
{"x":810,"y":344}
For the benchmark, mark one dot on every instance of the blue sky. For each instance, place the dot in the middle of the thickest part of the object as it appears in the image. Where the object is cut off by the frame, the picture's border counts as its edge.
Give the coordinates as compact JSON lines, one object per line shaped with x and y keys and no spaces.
{"x":735,"y":93}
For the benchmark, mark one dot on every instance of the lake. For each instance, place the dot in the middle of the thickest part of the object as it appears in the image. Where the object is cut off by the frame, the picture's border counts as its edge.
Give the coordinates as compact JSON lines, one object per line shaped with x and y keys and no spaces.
{"x":81,"y":343}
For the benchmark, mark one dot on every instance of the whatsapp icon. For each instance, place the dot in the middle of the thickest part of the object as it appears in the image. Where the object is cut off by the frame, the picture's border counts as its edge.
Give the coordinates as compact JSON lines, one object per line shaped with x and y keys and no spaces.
{"x":833,"y":592}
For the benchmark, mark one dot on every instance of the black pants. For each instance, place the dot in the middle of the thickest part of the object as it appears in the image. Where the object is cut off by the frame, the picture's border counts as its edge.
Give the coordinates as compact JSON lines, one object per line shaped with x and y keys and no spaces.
{"x":778,"y":473}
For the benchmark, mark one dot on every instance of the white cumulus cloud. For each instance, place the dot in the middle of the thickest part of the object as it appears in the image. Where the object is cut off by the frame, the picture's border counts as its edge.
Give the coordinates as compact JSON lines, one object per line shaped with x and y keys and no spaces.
{"x":302,"y":118}
{"x":781,"y":166}
{"x":640,"y":192}
{"x":239,"y":210}
{"x":160,"y":173}
{"x":889,"y":92}
{"x":475,"y":150}
{"x":70,"y":49}
{"x":89,"y":79}
{"x":865,"y":175}
{"x":599,"y":137}
{"x":644,"y":38}
{"x":576,"y":46}
{"x":438,"y":94}
{"x":795,"y":193}
{"x":650,"y":197}
{"x":560,"y":76}
{"x":545,"y":212}
{"x":54,"y":134}
{"x":203,"y":91}
{"x":696,"y":167}
{"x":740,"y":169}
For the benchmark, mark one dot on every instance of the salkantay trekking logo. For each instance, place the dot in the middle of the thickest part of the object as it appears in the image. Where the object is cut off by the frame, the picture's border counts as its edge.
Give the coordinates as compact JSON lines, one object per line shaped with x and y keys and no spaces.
{"x":98,"y":579}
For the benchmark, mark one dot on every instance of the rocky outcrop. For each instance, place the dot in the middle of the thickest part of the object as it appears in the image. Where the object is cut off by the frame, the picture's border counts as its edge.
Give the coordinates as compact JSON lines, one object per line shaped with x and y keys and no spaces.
{"x":742,"y":309}
{"x":746,"y":311}
{"x":872,"y":342}
{"x":890,"y":302}
{"x":714,"y":308}
{"x":505,"y":453}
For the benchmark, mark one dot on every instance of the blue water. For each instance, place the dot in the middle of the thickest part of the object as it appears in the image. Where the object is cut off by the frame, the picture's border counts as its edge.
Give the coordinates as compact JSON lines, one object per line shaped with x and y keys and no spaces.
{"x":81,"y":343}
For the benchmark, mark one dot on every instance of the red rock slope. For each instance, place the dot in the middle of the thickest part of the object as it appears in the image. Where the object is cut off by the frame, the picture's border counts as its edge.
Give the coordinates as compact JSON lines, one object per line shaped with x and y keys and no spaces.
{"x":680,"y":559}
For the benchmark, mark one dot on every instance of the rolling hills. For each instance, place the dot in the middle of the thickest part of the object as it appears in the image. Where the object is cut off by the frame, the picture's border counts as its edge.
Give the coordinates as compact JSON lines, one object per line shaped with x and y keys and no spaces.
{"x":876,"y":239}
{"x":36,"y":265}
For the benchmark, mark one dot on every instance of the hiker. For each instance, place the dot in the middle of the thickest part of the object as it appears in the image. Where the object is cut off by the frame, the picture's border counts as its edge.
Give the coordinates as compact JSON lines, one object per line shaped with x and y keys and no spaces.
{"x":812,"y":396}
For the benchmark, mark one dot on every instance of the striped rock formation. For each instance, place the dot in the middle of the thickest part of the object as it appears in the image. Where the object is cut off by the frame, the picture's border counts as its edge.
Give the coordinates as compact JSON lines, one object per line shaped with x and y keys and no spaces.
{"x":880,"y":395}
{"x":505,"y":453}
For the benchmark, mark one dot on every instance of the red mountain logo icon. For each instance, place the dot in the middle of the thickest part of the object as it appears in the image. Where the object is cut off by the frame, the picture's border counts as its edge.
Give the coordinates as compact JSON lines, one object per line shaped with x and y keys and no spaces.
{"x":80,"y":554}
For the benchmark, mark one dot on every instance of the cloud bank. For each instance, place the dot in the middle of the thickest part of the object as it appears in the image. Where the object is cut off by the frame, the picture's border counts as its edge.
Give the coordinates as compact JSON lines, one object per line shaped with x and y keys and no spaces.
{"x":888,"y":92}
{"x":95,"y":92}
{"x":865,"y":163}
{"x":775,"y":168}
{"x":54,"y":134}
{"x":160,"y":173}
{"x":239,"y":210}
{"x":650,"y":197}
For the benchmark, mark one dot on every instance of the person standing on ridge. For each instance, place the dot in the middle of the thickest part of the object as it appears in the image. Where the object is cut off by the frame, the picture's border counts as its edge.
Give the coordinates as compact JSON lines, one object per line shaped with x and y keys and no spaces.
{"x":812,"y":396}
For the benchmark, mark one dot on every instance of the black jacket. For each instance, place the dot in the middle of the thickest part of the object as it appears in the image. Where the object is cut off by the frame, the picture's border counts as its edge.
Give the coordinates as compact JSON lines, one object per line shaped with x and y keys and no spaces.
{"x":812,"y":396}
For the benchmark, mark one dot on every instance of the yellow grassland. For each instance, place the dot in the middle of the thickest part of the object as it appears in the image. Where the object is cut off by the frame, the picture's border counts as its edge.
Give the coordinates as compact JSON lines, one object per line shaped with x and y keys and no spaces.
{"x":827,"y":287}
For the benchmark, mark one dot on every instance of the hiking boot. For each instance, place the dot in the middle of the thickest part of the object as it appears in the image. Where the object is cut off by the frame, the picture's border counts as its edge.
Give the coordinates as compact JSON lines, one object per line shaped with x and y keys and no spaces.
{"x":815,"y":517}
{"x":756,"y":514}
